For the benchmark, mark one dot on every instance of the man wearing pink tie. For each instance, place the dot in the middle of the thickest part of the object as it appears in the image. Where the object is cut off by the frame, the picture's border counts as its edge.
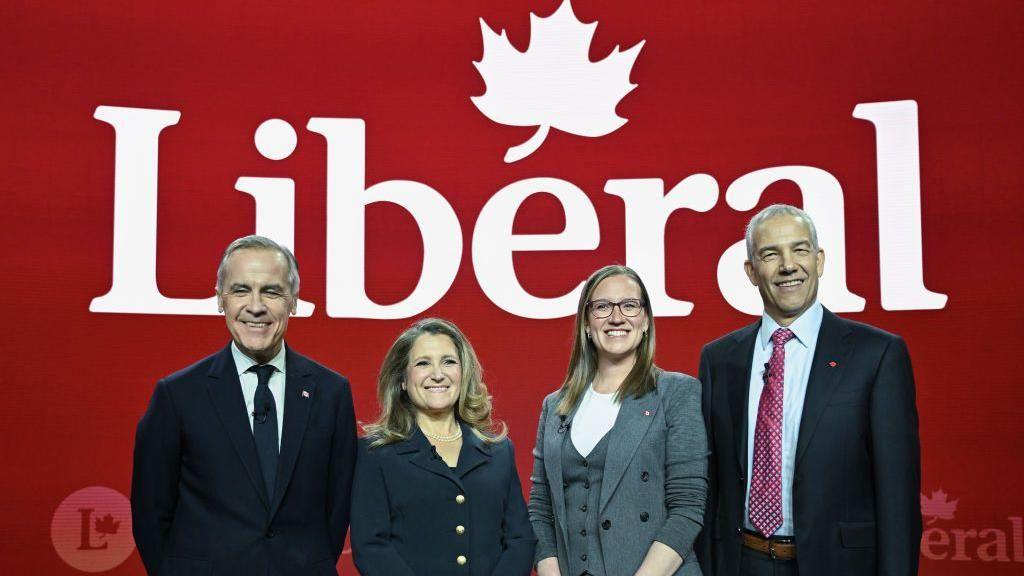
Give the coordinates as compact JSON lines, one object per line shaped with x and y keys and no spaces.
{"x":812,"y":425}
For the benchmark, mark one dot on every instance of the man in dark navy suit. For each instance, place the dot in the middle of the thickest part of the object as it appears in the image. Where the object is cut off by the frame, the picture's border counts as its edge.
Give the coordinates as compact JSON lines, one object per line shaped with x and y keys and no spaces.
{"x":815,"y":463}
{"x":244,"y":460}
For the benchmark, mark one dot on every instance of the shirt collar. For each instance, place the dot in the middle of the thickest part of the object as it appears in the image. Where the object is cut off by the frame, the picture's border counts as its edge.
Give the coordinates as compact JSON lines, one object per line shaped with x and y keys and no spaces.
{"x":243,"y":362}
{"x":805,"y":327}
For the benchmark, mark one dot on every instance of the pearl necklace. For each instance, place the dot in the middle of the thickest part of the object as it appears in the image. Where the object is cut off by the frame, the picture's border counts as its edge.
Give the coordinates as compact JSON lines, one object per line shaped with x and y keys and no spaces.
{"x":439,"y":438}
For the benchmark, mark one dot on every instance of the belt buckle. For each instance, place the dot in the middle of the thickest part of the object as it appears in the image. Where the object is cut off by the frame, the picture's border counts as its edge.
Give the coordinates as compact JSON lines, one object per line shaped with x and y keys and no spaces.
{"x":771,"y":549}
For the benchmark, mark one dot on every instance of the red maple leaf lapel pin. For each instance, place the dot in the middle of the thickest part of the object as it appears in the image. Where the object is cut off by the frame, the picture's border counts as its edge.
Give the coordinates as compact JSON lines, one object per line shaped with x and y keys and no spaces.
{"x":305,"y":394}
{"x":833,"y":364}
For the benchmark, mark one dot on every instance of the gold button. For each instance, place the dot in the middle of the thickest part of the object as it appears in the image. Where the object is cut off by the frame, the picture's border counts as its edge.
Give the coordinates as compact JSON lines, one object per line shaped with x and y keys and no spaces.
{"x":459,"y":500}
{"x":461,"y":560}
{"x":460,"y":530}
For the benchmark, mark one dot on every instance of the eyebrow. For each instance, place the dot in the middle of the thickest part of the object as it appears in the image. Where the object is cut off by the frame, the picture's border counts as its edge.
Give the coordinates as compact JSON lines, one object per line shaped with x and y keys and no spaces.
{"x":796,"y":244}
{"x":443,"y":357}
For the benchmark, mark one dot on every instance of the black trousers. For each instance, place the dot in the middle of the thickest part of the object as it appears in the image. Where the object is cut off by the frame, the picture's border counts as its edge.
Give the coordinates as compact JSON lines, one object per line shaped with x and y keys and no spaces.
{"x":754,"y":563}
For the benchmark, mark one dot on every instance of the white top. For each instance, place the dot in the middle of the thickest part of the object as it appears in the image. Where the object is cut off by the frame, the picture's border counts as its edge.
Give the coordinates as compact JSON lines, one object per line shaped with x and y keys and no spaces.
{"x":249,"y":382}
{"x":594,"y":418}
{"x":797,"y":369}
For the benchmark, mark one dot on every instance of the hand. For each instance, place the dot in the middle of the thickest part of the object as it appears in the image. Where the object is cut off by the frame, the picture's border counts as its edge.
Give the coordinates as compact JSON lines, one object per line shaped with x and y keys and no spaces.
{"x":548,"y":567}
{"x":660,"y":560}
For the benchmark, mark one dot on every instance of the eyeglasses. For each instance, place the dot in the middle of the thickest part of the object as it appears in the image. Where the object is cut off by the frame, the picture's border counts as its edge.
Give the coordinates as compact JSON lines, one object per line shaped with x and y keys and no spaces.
{"x":604,"y":308}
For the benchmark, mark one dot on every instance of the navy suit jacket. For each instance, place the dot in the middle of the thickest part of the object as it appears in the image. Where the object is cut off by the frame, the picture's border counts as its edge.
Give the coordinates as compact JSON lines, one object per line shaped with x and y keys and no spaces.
{"x":405,"y":510}
{"x":199,"y":504}
{"x":856,"y":485}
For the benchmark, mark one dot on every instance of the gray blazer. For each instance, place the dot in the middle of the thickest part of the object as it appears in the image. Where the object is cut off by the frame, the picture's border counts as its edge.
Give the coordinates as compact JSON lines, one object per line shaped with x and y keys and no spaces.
{"x":655,"y":481}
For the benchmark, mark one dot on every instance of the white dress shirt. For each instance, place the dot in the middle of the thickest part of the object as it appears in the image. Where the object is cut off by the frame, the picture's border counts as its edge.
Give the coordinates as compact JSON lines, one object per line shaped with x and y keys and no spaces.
{"x":799,"y":353}
{"x":249,"y":382}
{"x":594,"y":418}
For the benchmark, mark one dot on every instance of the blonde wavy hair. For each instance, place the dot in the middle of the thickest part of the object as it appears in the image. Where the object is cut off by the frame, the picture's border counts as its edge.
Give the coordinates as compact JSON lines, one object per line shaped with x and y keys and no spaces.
{"x":397,"y":412}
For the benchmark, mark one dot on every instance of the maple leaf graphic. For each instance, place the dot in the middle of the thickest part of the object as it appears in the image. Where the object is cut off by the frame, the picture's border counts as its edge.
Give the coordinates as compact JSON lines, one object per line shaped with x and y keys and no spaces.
{"x":938,"y":507}
{"x":553,"y":84}
{"x":107,"y":525}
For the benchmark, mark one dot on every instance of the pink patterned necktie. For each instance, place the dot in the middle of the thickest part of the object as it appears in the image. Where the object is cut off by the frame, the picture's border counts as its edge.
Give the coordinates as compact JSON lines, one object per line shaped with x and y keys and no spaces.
{"x":766,"y":481}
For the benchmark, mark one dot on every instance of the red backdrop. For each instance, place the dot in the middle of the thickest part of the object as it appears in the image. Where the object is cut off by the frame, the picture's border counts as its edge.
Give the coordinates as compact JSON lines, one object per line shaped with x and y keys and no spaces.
{"x":724,"y":89}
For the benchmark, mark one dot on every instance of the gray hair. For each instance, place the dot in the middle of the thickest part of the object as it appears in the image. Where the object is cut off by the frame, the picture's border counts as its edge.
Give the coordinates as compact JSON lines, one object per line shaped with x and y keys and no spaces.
{"x":771,"y":212}
{"x":255,"y":242}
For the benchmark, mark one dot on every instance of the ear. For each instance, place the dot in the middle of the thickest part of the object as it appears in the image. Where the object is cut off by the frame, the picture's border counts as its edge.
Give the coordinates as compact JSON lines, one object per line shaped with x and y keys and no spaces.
{"x":220,"y":302}
{"x":748,"y":267}
{"x":821,"y":262}
{"x":295,"y":303}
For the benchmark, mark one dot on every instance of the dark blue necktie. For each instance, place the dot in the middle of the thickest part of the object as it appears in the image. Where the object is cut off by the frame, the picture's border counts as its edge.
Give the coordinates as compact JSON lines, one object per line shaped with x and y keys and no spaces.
{"x":264,"y":426}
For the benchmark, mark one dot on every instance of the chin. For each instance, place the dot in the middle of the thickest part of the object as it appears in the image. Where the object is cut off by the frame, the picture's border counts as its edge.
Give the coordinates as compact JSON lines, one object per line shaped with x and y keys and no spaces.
{"x":260,"y":349}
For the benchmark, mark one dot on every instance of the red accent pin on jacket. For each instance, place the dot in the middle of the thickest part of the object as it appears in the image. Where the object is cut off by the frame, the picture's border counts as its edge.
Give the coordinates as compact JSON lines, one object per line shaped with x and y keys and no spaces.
{"x":833,"y":364}
{"x":305,"y":394}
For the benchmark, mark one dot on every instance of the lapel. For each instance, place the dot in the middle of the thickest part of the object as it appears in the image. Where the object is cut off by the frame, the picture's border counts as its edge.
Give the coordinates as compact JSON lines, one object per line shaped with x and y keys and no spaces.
{"x":834,"y":344}
{"x":296,"y":415}
{"x":475,"y":452}
{"x":225,"y":392}
{"x":635,"y":417}
{"x":418,"y":451}
{"x":740,"y":360}
{"x":555,"y":430}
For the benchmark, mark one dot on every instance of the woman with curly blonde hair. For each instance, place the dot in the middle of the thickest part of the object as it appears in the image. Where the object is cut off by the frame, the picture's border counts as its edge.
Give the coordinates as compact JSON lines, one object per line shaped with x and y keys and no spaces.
{"x":436,"y":486}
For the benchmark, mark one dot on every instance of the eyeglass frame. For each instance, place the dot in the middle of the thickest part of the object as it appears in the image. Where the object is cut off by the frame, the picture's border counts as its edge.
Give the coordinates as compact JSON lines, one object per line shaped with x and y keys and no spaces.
{"x":614,"y":305}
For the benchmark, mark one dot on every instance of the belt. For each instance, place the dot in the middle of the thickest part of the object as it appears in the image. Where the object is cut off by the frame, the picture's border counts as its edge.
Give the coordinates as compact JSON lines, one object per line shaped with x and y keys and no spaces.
{"x":779,"y":548}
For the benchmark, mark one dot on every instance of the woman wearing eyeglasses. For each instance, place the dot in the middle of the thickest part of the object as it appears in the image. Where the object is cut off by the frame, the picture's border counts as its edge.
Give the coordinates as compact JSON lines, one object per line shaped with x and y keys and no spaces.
{"x":620,"y":466}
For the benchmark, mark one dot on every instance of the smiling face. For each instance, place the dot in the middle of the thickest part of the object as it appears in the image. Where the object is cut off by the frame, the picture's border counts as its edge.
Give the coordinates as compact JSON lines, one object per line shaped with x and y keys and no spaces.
{"x":256,"y":301}
{"x":433,"y":378}
{"x":785,"y":268}
{"x":617,"y":335}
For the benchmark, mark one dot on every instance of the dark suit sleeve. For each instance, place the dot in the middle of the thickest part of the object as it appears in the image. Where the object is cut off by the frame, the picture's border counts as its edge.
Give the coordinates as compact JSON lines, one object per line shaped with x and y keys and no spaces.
{"x":896,"y":456}
{"x":372,"y":551}
{"x":517,"y":535}
{"x":703,"y":545}
{"x":341,"y":470}
{"x":157,"y":467}
{"x":542,"y":516}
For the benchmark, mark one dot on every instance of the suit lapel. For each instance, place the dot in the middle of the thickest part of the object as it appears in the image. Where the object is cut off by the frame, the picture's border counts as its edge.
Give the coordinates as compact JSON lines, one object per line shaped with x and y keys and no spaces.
{"x":297,"y":407}
{"x":419,"y":453}
{"x":226,"y":394}
{"x":475,"y":452}
{"x":834,"y":345}
{"x":635,"y":417}
{"x":740,"y":365}
{"x":555,"y":431}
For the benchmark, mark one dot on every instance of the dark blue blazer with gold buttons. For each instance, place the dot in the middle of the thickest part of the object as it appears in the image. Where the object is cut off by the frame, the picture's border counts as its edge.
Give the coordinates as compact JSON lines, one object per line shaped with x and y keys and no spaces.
{"x":413,"y":515}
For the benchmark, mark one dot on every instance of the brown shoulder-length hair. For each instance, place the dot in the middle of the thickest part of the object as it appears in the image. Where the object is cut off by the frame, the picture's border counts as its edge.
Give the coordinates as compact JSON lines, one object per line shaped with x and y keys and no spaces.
{"x":397,"y":412}
{"x":642,"y":378}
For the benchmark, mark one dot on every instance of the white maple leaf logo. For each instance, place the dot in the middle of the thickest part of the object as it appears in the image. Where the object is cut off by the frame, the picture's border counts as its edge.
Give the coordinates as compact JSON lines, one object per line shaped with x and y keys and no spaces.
{"x":553,"y":84}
